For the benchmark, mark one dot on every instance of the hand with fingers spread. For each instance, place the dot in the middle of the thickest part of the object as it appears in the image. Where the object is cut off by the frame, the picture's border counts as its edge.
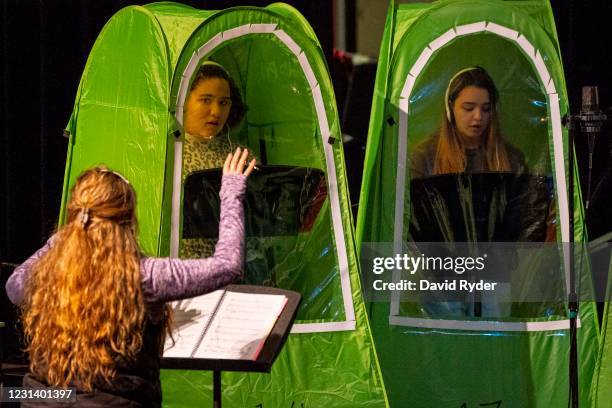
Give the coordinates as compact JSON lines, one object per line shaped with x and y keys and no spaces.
{"x":235,"y":163}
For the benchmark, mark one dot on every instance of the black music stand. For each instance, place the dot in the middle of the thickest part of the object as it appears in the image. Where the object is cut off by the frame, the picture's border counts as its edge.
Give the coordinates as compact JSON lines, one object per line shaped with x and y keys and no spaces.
{"x":271,"y":348}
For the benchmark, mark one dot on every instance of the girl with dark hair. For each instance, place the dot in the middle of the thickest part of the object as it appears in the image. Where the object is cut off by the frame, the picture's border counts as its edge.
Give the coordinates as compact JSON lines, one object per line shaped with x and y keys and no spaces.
{"x":214,"y":103}
{"x":94,"y":308}
{"x":212,"y":107}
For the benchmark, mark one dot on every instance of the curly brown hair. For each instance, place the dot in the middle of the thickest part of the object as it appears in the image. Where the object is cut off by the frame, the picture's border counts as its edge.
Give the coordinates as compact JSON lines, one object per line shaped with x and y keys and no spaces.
{"x":84,"y":306}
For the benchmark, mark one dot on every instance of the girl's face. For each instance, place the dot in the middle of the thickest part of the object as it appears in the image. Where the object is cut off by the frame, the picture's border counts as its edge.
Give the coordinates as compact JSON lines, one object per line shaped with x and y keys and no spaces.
{"x":208,"y":106}
{"x":472,"y":112}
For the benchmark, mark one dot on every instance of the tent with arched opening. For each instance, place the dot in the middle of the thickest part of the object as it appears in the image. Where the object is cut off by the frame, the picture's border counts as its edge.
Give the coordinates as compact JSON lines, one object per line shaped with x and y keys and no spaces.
{"x":460,"y":355}
{"x":128,"y":115}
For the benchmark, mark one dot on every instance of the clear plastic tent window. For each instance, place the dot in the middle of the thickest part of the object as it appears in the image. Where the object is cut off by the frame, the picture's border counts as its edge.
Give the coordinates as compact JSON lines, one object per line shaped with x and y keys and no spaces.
{"x":524,"y":122}
{"x":303,"y":256}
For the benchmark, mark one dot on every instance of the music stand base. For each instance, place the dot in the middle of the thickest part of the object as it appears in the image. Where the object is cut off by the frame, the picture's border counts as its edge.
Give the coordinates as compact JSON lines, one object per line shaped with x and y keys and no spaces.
{"x":216,"y":389}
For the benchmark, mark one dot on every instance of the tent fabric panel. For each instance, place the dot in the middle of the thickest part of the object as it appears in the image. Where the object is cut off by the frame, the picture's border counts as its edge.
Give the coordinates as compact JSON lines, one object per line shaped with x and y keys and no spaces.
{"x":405,"y":65}
{"x":465,"y":371}
{"x":442,"y":15}
{"x":295,"y":19}
{"x":290,"y":382}
{"x":164,"y":243}
{"x":602,"y":392}
{"x":124,"y":127}
{"x":370,"y":194}
{"x":178,"y":22}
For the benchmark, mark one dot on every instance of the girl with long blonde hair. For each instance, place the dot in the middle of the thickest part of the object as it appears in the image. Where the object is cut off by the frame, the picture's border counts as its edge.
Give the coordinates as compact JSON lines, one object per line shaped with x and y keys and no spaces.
{"x":469,"y":138}
{"x":93,"y":307}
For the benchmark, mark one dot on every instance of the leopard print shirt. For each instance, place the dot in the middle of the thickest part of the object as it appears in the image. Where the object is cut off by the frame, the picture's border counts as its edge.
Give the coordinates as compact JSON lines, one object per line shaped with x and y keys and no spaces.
{"x":199,"y":154}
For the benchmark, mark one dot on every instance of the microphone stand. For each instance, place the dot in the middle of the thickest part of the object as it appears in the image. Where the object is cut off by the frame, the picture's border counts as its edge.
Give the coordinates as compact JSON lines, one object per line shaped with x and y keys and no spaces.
{"x":590,"y":119}
{"x":572,"y":295}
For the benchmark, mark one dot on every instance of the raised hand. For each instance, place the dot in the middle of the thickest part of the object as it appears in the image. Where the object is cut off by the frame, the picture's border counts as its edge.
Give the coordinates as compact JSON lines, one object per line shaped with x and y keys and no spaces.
{"x":234,"y":164}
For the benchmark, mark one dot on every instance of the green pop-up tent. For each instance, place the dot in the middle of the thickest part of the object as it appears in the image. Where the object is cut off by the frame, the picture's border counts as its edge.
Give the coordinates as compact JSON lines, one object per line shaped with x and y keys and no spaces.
{"x":128,"y":115}
{"x":602,"y":384}
{"x":520,"y":359}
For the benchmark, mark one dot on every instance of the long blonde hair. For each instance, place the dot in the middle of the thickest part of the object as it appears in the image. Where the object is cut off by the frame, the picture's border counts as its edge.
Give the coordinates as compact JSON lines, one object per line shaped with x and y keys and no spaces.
{"x":450,"y":152}
{"x":84,"y":305}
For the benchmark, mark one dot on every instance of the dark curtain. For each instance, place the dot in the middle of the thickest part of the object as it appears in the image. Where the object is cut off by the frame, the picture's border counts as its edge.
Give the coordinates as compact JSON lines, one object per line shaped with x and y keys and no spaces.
{"x":585,"y":35}
{"x":44,"y":46}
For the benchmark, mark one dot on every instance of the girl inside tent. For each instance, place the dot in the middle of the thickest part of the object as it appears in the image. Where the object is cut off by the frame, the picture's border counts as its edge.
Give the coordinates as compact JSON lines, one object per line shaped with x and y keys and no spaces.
{"x":213,"y":106}
{"x":469,"y":139}
{"x":469,"y":142}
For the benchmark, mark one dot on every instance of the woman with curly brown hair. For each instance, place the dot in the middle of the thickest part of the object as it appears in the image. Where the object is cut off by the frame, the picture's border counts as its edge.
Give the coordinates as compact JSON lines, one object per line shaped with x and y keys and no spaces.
{"x":93,"y":307}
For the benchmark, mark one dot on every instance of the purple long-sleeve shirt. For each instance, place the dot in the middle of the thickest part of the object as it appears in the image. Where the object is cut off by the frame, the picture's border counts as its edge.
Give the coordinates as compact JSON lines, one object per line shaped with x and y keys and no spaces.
{"x":167,"y":279}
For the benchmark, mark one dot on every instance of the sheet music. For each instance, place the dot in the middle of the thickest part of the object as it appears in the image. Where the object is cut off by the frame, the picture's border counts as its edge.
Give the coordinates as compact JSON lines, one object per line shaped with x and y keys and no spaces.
{"x":240,"y":326}
{"x":191,"y":317}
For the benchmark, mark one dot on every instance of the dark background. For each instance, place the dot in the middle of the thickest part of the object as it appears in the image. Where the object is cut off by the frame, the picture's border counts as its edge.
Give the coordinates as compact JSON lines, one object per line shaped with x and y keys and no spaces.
{"x":44,"y":46}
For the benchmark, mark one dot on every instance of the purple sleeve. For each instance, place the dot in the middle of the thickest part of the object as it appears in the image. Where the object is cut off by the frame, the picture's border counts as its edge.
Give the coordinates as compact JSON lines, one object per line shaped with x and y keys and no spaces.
{"x":166,"y":279}
{"x":15,"y":285}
